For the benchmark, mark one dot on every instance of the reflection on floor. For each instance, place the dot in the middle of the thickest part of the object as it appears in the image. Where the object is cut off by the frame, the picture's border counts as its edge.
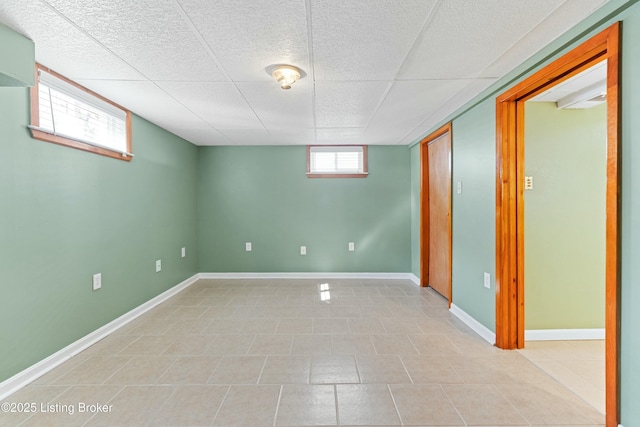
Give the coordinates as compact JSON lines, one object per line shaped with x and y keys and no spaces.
{"x":578,"y":365}
{"x":254,"y":353}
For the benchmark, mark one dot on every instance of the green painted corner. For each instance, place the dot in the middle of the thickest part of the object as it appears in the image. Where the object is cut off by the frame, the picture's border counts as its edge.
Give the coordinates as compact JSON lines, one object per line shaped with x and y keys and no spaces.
{"x":17,"y":59}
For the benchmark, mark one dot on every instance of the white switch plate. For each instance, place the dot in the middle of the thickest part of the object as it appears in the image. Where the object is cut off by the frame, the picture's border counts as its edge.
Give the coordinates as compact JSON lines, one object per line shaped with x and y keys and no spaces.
{"x":528,"y":183}
{"x":459,"y":187}
{"x":487,"y":280}
{"x":97,"y":281}
{"x":247,"y":246}
{"x":183,"y":252}
{"x":303,"y":250}
{"x":158,"y":266}
{"x":352,"y":246}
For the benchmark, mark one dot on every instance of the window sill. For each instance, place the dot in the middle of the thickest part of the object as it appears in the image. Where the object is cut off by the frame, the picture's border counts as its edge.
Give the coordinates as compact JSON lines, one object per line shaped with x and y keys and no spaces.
{"x":337,"y":175}
{"x":68,"y":142}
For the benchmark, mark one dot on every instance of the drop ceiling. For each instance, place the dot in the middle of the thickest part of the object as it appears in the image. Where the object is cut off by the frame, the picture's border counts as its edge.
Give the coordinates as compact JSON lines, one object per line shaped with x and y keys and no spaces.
{"x":376,"y":71}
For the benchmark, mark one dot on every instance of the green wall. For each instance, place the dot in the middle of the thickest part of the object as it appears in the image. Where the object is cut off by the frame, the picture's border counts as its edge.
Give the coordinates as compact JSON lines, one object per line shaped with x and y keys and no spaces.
{"x":473,"y":212}
{"x":415,"y":210}
{"x":67,"y":214}
{"x":17,"y":59}
{"x":262,"y":195}
{"x":565,"y":216}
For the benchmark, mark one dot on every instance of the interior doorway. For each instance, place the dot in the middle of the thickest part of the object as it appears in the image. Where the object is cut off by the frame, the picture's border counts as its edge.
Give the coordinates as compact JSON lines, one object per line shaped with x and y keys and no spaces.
{"x":510,"y":183}
{"x":435,"y":217}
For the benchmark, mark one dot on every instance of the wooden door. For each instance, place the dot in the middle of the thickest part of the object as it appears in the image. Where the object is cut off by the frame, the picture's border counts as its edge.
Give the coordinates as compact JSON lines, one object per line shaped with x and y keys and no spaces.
{"x":439,"y":152}
{"x":435,"y":217}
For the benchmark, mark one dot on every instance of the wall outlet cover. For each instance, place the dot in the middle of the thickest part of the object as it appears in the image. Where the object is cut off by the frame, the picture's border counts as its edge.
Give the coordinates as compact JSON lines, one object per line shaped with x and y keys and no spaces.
{"x":487,"y":280}
{"x":183,"y":252}
{"x":158,"y":266}
{"x":303,"y":250}
{"x":352,"y":246}
{"x":248,"y":247}
{"x":97,"y":281}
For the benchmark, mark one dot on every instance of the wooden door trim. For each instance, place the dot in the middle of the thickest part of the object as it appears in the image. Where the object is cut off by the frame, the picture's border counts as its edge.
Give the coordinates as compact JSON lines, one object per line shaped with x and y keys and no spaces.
{"x":510,"y":199}
{"x":424,"y":205}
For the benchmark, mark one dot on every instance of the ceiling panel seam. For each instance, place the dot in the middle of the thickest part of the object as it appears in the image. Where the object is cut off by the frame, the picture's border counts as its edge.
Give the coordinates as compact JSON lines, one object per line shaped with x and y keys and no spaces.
{"x":311,"y":74}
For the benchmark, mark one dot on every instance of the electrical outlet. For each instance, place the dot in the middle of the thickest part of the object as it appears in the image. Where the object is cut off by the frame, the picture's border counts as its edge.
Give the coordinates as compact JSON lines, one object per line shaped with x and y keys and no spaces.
{"x":459,"y":187}
{"x":97,"y":281}
{"x":158,"y":266}
{"x":183,"y":252}
{"x":303,"y":250}
{"x":528,"y":183}
{"x":352,"y":246}
{"x":487,"y":280}
{"x":247,"y":246}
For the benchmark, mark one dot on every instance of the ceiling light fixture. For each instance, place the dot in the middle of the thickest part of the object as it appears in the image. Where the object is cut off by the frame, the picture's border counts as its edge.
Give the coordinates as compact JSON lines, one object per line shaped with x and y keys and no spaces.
{"x":286,"y":75}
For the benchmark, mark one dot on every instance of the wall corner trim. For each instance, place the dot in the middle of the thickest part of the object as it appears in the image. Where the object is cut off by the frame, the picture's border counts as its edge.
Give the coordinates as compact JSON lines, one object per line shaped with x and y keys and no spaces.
{"x":476,"y":326}
{"x":563,"y":334}
{"x":33,"y":372}
{"x":415,"y":279}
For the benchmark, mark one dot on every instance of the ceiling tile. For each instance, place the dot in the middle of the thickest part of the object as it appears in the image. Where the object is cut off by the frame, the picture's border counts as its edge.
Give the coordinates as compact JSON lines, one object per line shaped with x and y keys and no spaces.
{"x":408,"y":102}
{"x":247,"y":36}
{"x":326,"y":136}
{"x":347,"y":104}
{"x":563,"y":18}
{"x":219,"y":104}
{"x":293,"y":136}
{"x":364,"y":39}
{"x":466,"y":36}
{"x":66,"y":50}
{"x":248,"y":136}
{"x":279,"y":108}
{"x":148,"y":101}
{"x":201,"y":136}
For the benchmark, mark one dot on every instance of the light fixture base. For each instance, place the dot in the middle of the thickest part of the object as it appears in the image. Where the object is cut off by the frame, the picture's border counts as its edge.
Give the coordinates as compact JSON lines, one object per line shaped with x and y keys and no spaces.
{"x":286,"y":75}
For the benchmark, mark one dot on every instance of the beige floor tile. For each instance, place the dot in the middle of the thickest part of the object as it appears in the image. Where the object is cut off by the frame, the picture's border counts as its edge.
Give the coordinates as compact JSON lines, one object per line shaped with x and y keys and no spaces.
{"x":191,"y":405}
{"x":33,"y":396}
{"x":365,"y":326}
{"x":483,"y":405}
{"x":189,"y":345}
{"x":225,"y":326}
{"x":422,"y":405}
{"x":393,"y":344}
{"x":311,"y":344}
{"x":434,"y":344}
{"x":133,"y":406}
{"x":382,"y":369}
{"x":148,"y":345}
{"x":295,"y":326}
{"x":110,"y":346}
{"x":394,"y":325}
{"x":224,"y":345}
{"x":365,"y":404}
{"x":245,"y":406}
{"x":190,"y":370}
{"x":352,"y":344}
{"x":286,"y":370}
{"x":188,"y":312}
{"x":95,"y":370}
{"x":560,"y":405}
{"x":141,"y":370}
{"x":330,"y":326}
{"x":74,"y":407}
{"x":341,"y":311}
{"x":219,"y":313}
{"x":307,"y":405}
{"x":271,"y":345}
{"x":238,"y":370}
{"x":334,"y":370}
{"x":430,"y":370}
{"x":187,"y":327}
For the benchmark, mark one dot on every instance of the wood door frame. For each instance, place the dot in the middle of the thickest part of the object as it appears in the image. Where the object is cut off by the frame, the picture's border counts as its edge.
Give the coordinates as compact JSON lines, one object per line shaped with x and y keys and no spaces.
{"x":424,"y":205}
{"x":510,"y":199}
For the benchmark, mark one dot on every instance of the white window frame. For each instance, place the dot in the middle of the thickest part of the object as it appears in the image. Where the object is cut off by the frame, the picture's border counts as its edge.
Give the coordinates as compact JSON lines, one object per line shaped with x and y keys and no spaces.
{"x":96,"y":104}
{"x":360,"y":172}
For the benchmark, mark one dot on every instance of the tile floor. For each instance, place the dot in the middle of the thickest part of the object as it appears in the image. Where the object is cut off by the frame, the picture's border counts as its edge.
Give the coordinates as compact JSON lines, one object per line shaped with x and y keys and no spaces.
{"x":578,"y":365}
{"x":257,"y":353}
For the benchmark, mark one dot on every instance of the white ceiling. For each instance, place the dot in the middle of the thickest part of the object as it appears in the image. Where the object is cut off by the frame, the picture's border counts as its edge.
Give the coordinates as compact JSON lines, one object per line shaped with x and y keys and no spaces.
{"x":594,"y":77}
{"x":376,"y":71}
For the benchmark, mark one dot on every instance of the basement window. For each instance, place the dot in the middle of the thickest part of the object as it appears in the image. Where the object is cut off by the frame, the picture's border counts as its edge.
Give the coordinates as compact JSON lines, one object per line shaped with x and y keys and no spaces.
{"x":65,"y":113}
{"x":337,"y":161}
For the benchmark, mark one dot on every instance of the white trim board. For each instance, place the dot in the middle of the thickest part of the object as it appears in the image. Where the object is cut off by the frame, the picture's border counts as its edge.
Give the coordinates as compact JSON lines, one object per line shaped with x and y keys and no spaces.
{"x":21,"y":379}
{"x":301,"y":275}
{"x":415,"y":279}
{"x":563,"y":334}
{"x":476,"y":326}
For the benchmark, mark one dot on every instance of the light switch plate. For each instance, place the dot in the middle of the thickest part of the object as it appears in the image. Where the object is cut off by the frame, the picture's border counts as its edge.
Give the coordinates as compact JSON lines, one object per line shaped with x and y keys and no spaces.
{"x":248,"y":247}
{"x":303,"y":250}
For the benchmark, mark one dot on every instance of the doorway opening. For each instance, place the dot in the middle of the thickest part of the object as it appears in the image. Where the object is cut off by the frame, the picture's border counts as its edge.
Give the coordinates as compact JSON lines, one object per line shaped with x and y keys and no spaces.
{"x":510,"y":184}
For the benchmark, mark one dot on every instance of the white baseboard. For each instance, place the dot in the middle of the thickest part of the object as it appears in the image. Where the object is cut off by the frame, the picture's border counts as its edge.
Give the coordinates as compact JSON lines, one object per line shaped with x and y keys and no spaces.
{"x":33,"y":372}
{"x":415,"y":279}
{"x":563,"y":334}
{"x":476,"y":326}
{"x":301,"y":275}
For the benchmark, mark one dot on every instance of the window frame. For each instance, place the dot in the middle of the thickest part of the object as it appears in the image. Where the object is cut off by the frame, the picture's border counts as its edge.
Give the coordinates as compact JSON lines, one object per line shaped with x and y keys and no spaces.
{"x":43,"y":135}
{"x":365,"y":165}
